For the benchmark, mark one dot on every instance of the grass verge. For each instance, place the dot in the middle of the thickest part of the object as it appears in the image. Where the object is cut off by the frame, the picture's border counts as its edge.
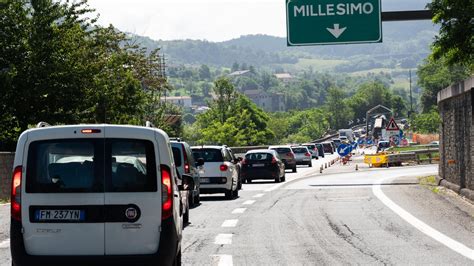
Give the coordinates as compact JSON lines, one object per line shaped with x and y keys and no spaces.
{"x":430,"y":183}
{"x":3,"y":201}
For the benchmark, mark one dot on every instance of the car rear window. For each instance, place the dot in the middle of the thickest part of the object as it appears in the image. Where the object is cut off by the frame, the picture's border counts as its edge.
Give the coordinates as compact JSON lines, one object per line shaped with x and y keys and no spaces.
{"x":311,"y":147}
{"x":259,"y":156}
{"x":209,"y":155}
{"x":91,"y":166}
{"x":300,"y":150}
{"x":282,"y":150}
{"x":177,"y":156}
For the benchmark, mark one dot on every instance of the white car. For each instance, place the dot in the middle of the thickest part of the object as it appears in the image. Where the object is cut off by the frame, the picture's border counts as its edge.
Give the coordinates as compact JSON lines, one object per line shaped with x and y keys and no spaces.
{"x":94,"y":193}
{"x":219,"y":173}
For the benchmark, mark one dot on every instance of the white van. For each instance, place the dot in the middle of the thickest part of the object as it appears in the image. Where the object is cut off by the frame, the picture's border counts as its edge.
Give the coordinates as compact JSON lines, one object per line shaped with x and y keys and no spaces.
{"x":87,"y":194}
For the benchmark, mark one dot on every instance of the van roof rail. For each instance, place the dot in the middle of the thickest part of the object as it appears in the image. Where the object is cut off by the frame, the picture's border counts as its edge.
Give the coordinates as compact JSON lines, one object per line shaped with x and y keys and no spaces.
{"x":149,"y":124}
{"x":42,"y":124}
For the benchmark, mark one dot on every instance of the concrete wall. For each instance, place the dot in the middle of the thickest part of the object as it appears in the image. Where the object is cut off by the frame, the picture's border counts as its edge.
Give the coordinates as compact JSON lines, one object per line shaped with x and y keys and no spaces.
{"x":456,"y":135}
{"x":6,"y":167}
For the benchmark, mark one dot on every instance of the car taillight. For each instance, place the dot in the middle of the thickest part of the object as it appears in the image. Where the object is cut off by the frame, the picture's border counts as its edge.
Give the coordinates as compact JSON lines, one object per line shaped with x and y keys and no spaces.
{"x":166,"y":193}
{"x":307,"y":154}
{"x":16,"y":194}
{"x":244,"y":161}
{"x":223,"y":167}
{"x":274,"y":161}
{"x":186,"y":163}
{"x":292,"y":155}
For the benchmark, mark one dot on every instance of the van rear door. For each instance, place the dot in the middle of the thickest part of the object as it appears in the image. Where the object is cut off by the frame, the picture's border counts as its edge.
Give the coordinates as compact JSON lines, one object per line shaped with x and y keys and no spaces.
{"x":63,"y":197}
{"x":132,"y":198}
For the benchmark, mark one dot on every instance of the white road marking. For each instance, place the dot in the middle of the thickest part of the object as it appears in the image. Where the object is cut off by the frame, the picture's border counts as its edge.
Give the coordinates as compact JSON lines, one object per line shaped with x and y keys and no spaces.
{"x":418,"y":224}
{"x":274,"y":187}
{"x":249,"y":202}
{"x":258,"y":195}
{"x":222,"y":260}
{"x":230,"y":223}
{"x":239,"y":210}
{"x":5,"y":244}
{"x":223,"y":239}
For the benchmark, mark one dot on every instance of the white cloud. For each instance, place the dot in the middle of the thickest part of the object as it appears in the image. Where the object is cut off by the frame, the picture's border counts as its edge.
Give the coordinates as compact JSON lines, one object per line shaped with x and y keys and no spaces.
{"x":214,"y":20}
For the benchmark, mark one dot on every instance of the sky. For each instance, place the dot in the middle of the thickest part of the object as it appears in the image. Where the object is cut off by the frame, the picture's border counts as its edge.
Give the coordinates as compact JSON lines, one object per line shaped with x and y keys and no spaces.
{"x":212,"y":20}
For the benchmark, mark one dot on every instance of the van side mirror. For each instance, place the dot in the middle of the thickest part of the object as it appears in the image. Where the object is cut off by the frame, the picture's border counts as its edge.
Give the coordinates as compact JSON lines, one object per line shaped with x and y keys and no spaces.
{"x":200,"y":162}
{"x":187,"y":183}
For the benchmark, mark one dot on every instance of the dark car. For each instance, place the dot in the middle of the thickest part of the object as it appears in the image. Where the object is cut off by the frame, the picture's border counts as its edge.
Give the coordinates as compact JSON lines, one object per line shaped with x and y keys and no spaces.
{"x":286,"y":155}
{"x":320,"y":148}
{"x":263,"y":164}
{"x":328,"y":148}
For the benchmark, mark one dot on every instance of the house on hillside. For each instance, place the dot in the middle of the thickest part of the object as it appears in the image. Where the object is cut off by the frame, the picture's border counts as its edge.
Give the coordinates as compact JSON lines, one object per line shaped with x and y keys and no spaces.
{"x":183,"y":101}
{"x":270,"y":102}
{"x":284,"y":77}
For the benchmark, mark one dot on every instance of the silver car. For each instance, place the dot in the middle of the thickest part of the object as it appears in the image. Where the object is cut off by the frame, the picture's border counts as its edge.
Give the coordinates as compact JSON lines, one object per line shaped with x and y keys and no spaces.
{"x":302,"y":155}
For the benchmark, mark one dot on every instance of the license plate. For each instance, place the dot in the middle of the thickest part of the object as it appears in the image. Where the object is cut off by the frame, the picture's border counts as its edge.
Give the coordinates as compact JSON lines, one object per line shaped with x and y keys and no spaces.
{"x":205,"y":180}
{"x":259,"y":165}
{"x":60,"y":215}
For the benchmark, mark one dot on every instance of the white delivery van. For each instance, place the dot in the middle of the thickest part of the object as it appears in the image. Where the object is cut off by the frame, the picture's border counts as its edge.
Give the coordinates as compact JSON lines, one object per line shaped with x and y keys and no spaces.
{"x":95,"y":194}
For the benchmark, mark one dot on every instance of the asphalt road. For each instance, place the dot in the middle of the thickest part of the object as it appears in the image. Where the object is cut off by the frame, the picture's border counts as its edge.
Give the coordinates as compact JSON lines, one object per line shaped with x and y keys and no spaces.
{"x":342,"y":216}
{"x":334,"y":218}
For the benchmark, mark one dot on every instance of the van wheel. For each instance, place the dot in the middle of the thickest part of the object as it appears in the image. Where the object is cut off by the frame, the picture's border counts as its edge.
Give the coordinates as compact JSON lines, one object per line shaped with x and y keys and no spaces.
{"x":186,"y":217}
{"x":177,"y":260}
{"x":310,"y":165}
{"x":229,"y":194}
{"x":294,"y":169}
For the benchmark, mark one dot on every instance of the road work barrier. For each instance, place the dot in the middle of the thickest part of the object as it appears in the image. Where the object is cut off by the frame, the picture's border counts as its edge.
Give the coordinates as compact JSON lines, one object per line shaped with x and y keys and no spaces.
{"x":376,"y":160}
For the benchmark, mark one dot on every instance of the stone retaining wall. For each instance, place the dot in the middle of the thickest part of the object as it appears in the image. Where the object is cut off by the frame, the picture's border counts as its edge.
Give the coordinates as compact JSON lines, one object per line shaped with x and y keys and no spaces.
{"x":456,"y":134}
{"x":6,"y":166}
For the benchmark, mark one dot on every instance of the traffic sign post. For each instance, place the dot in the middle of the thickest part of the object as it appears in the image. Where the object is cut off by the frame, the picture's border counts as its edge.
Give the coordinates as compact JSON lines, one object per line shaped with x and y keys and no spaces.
{"x":315,"y":22}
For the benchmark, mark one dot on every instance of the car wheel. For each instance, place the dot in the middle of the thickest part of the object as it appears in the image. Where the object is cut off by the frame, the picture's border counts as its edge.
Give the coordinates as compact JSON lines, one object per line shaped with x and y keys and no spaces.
{"x":294,"y":169}
{"x":236,"y":193}
{"x":177,"y":260}
{"x":197,"y":200}
{"x":229,"y":194}
{"x":186,"y":216}
{"x":284,"y":177}
{"x":310,"y":165}
{"x":191,"y":199}
{"x":249,"y":181}
{"x":239,"y":186}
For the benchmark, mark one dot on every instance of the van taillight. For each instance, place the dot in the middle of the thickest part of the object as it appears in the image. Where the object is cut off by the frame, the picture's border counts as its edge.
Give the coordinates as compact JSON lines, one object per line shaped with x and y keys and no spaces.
{"x":90,"y":131}
{"x":166,"y":193}
{"x":223,"y":167}
{"x":16,"y":194}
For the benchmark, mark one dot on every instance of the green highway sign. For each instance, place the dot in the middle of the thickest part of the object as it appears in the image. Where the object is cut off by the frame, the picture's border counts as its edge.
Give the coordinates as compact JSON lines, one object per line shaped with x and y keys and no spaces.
{"x":314,"y":22}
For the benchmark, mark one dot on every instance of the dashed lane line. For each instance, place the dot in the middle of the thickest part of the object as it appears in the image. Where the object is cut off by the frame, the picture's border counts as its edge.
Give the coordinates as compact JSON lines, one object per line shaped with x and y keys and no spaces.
{"x":420,"y":225}
{"x":230,"y":223}
{"x":223,"y":239}
{"x":5,"y":244}
{"x":249,"y":202}
{"x":239,"y":210}
{"x":222,"y":260}
{"x":258,"y":195}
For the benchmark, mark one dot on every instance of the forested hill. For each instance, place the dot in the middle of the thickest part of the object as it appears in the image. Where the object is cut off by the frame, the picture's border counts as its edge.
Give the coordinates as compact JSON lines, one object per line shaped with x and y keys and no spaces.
{"x":402,"y":42}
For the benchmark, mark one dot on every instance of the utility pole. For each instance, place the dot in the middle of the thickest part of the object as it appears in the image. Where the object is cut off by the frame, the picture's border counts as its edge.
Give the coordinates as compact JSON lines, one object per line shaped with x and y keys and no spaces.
{"x":411,"y":98}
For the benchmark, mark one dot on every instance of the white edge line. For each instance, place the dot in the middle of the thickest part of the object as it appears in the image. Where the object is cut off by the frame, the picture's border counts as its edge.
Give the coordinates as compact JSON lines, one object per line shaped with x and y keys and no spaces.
{"x":258,"y":195}
{"x":420,"y":225}
{"x":249,"y":202}
{"x":223,"y":239}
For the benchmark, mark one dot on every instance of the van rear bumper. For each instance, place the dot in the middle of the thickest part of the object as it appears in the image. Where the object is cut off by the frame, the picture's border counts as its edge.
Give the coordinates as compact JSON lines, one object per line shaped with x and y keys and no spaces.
{"x":169,"y":246}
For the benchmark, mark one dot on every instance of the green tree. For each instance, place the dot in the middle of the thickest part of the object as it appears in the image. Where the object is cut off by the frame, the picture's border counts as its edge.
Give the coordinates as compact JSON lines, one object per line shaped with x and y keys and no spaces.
{"x":427,"y":123}
{"x":456,"y":37}
{"x":434,"y":76}
{"x":204,"y":72}
{"x":339,"y":112}
{"x":225,"y":95}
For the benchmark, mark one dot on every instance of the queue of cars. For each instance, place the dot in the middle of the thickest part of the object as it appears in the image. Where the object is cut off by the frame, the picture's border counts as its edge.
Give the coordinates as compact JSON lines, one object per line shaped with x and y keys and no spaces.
{"x":125,"y":191}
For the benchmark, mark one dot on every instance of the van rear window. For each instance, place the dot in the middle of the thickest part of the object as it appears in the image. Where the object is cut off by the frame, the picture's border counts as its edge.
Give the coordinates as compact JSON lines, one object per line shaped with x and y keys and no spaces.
{"x":91,"y":166}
